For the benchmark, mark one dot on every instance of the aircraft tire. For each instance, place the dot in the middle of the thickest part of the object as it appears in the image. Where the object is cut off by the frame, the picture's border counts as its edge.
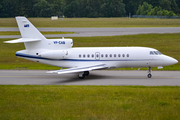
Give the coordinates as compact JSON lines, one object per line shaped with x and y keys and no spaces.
{"x":82,"y":77}
{"x":86,"y":73}
{"x":149,"y":75}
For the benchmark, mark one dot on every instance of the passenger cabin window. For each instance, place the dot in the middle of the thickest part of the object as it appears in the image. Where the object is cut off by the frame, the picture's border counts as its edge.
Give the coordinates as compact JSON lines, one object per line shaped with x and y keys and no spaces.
{"x":113,"y":55}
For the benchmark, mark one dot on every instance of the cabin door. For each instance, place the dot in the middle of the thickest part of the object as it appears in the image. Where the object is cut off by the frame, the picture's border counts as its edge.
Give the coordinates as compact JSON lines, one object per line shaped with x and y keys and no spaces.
{"x":97,"y":55}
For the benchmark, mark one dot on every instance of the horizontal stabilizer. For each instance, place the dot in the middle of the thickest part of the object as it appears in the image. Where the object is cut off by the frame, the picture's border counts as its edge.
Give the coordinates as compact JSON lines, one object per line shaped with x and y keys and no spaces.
{"x":22,"y":40}
{"x":80,"y":69}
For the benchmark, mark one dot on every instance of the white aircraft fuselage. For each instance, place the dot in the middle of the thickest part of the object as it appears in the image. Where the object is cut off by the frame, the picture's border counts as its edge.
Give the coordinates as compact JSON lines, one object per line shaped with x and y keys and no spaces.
{"x":59,"y":52}
{"x":113,"y":57}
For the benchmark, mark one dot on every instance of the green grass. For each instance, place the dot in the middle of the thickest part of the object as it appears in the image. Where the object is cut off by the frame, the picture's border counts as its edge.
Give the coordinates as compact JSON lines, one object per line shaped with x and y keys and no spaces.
{"x":89,"y":103}
{"x":45,"y":33}
{"x":168,"y":44}
{"x":9,"y":33}
{"x":95,"y":22}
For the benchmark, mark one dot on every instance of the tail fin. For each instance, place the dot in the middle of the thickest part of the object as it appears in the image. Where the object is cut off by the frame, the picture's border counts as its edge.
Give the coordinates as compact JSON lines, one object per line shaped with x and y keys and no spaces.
{"x":27,"y":29}
{"x":31,"y":37}
{"x":35,"y":41}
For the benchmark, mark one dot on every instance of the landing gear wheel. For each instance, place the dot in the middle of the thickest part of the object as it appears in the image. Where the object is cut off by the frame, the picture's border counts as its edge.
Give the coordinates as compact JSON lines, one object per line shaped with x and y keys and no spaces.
{"x":82,"y":76}
{"x":86,"y":73}
{"x":149,"y":71}
{"x":149,"y":75}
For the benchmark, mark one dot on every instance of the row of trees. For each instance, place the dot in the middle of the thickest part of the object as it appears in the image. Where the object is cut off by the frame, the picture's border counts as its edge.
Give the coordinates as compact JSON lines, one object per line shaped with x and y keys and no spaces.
{"x":68,"y":8}
{"x":147,"y":9}
{"x":86,"y":8}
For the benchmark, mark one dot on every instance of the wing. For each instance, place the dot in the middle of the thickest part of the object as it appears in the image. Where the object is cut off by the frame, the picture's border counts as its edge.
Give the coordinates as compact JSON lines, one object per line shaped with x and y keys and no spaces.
{"x":80,"y":69}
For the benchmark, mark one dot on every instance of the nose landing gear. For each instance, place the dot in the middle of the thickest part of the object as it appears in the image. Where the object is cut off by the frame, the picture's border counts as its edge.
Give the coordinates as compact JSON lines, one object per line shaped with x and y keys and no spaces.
{"x":149,"y":71}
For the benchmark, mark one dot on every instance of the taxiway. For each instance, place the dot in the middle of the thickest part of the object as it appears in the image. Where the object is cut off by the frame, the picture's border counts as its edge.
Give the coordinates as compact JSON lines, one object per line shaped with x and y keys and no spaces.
{"x":90,"y":32}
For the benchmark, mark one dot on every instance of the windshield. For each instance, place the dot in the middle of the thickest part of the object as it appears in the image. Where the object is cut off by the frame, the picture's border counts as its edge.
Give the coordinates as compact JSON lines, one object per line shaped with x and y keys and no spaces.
{"x":155,"y":53}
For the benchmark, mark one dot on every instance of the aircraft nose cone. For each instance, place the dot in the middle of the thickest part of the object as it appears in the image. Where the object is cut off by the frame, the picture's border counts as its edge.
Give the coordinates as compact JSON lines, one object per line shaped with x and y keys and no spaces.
{"x":175,"y":61}
{"x":170,"y":61}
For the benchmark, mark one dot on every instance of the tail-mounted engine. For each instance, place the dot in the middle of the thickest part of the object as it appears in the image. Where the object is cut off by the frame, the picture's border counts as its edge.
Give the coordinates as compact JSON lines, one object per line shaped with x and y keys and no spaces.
{"x":55,"y":54}
{"x":57,"y":48}
{"x":60,"y":43}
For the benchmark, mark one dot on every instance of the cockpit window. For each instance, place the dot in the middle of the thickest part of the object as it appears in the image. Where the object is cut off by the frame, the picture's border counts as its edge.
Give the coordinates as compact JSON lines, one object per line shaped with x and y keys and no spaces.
{"x":155,"y":53}
{"x":151,"y":53}
{"x":159,"y":52}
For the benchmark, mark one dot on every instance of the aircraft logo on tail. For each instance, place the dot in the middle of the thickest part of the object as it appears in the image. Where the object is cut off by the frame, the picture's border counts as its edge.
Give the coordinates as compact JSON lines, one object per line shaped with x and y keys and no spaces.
{"x":26,"y":25}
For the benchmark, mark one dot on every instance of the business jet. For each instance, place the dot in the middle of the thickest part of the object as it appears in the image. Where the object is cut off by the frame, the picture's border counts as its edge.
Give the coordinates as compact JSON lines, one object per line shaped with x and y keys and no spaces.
{"x":81,"y":60}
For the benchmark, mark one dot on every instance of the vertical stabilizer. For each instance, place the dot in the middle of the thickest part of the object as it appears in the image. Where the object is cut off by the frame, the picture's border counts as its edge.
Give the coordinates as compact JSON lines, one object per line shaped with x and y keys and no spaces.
{"x":27,"y":29}
{"x":31,"y":33}
{"x":35,"y":41}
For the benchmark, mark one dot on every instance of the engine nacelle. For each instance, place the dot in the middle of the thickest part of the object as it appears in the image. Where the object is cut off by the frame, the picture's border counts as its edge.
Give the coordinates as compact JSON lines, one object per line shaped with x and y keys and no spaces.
{"x":56,"y":44}
{"x":55,"y":54}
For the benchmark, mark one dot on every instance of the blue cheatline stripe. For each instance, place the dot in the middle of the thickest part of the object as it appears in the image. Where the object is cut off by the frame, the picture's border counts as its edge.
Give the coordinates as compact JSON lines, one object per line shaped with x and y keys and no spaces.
{"x":31,"y":56}
{"x":85,"y":60}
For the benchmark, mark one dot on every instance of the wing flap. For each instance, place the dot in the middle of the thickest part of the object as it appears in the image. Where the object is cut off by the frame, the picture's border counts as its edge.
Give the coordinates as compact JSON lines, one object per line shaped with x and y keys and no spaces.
{"x":80,"y":69}
{"x":20,"y":40}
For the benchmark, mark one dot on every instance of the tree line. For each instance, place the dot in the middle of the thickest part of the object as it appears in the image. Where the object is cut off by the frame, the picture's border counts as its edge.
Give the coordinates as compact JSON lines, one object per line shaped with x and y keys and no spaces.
{"x":88,"y":8}
{"x":147,"y":9}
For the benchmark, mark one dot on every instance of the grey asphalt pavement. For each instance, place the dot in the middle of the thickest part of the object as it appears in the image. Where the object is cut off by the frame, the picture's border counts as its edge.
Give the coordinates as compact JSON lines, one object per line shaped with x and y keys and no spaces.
{"x":90,"y":32}
{"x":104,"y":77}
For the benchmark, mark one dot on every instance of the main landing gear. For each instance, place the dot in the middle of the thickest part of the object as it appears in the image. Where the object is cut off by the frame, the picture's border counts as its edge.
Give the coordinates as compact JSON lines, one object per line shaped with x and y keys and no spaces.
{"x":149,"y":71}
{"x":83,"y":74}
